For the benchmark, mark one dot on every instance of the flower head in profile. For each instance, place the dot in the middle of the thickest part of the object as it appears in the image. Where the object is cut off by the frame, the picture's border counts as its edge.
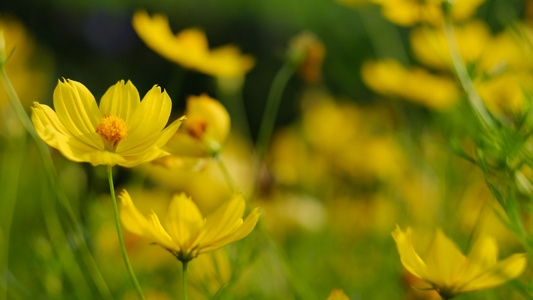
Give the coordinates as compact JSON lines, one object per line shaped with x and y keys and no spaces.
{"x":189,"y":47}
{"x":450,"y":272}
{"x":121,"y":131}
{"x":186,"y":233}
{"x":205,"y":130}
{"x":337,"y":294}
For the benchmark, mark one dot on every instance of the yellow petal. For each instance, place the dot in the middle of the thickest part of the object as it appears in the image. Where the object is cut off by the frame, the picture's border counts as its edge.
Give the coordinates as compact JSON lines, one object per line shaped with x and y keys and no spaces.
{"x":223,"y":221}
{"x":408,"y":256}
{"x":150,"y":148}
{"x":121,"y":100}
{"x":52,"y":131}
{"x":137,"y":224}
{"x":184,"y":221}
{"x":482,"y":256}
{"x":242,"y":230}
{"x":444,"y":260}
{"x":505,"y":270}
{"x":77,"y":110}
{"x":337,"y":294}
{"x":148,"y":120}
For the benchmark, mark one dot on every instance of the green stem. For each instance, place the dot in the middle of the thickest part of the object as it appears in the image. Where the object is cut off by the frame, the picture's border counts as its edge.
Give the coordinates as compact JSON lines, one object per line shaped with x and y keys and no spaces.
{"x":271,"y":109}
{"x":9,"y":183}
{"x":464,"y":78}
{"x":52,"y":177}
{"x":225,"y":172}
{"x":185,"y":294}
{"x":119,"y":233}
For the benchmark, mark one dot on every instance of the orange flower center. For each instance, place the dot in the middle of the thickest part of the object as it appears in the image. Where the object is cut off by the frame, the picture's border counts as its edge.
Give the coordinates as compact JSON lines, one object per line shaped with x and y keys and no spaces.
{"x":112,"y":129}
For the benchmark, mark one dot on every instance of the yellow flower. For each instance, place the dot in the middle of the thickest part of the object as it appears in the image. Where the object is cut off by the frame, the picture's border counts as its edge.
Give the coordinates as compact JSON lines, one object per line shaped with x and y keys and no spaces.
{"x":205,"y":130}
{"x":27,"y":64}
{"x":337,"y":294}
{"x":390,"y":78}
{"x":187,"y":233}
{"x":410,"y":12}
{"x":189,"y":47}
{"x":122,"y":131}
{"x":430,"y":46}
{"x":449,"y":272}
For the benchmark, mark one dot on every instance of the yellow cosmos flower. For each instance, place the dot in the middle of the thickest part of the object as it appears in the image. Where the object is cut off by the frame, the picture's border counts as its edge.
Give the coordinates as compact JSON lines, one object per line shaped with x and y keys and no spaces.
{"x":390,"y":78}
{"x":205,"y":130}
{"x":410,"y":12}
{"x":189,"y":48}
{"x":431,"y":48}
{"x":122,"y":131}
{"x":187,"y":233}
{"x":338,"y":294}
{"x":449,"y":272}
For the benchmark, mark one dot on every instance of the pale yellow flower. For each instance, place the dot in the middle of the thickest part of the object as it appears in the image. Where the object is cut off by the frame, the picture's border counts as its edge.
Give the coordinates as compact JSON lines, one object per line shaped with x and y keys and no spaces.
{"x":27,"y":64}
{"x":411,"y":12}
{"x":431,"y":48}
{"x":337,"y":294}
{"x":390,"y":78}
{"x":122,"y":131}
{"x":450,"y":272}
{"x":205,"y":130}
{"x":187,"y":233}
{"x":189,"y":47}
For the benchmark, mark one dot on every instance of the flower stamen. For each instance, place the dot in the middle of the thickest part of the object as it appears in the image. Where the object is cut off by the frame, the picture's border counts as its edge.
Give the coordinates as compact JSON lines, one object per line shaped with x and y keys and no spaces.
{"x":112,"y":129}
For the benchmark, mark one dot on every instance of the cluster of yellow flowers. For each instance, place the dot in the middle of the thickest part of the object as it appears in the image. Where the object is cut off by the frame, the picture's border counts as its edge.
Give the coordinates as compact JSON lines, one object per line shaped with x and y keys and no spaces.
{"x":354,"y":145}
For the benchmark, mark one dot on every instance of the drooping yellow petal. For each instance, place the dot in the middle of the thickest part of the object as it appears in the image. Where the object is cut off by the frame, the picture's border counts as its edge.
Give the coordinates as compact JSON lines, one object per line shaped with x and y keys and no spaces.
{"x":241,"y":230}
{"x":505,"y":270}
{"x":184,"y":221}
{"x":444,"y":260}
{"x":148,"y":120}
{"x":77,"y":110}
{"x":223,"y":221}
{"x":121,"y":100}
{"x":148,"y":227}
{"x":482,"y":256}
{"x":408,"y":256}
{"x":51,"y":130}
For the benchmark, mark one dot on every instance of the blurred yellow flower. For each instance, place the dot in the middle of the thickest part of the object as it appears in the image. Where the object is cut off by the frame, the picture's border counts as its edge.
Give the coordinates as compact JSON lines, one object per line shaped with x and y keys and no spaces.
{"x":189,"y":47}
{"x":122,"y":131}
{"x":27,"y":66}
{"x":411,"y":12}
{"x":188,"y":234}
{"x":205,"y":130}
{"x":337,"y":294}
{"x":430,"y":46}
{"x":390,"y":78}
{"x":449,"y":272}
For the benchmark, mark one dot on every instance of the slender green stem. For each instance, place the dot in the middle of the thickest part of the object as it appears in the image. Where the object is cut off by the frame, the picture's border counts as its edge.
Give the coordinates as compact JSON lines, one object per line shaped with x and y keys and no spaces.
{"x":52,"y":177}
{"x":464,"y":78}
{"x":225,"y":172}
{"x":271,"y":109}
{"x":9,"y":184}
{"x":119,"y":233}
{"x":185,"y":294}
{"x":63,"y":252}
